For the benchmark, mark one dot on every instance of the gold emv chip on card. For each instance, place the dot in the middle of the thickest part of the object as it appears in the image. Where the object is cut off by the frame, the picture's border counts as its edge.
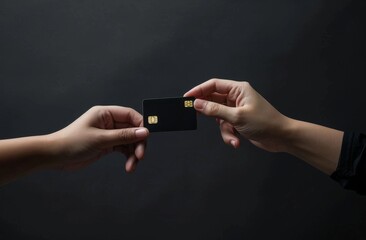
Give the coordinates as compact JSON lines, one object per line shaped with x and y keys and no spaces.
{"x":169,"y":114}
{"x":152,"y":119}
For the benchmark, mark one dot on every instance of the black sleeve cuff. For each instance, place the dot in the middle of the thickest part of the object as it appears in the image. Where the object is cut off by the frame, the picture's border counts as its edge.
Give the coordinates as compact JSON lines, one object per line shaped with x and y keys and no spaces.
{"x":351,"y":169}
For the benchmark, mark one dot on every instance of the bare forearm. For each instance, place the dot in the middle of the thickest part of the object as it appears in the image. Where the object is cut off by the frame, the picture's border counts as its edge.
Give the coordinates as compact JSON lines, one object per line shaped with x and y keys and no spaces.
{"x":317,"y":145}
{"x":253,"y":117}
{"x":20,"y":156}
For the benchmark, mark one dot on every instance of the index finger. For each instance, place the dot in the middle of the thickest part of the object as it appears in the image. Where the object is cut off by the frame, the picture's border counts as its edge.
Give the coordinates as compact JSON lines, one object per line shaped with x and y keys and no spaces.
{"x":214,"y":85}
{"x":125,"y":115}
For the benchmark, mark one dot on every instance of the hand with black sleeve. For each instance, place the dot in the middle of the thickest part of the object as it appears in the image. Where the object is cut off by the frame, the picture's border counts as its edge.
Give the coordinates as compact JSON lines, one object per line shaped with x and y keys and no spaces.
{"x":243,"y":112}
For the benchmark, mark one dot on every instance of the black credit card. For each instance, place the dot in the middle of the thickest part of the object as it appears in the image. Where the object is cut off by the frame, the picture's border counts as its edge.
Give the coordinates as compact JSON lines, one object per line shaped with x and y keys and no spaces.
{"x":169,"y":114}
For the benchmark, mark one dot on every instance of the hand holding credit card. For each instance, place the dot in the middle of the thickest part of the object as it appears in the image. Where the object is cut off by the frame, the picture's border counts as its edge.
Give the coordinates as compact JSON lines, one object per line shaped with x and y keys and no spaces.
{"x":169,"y":114}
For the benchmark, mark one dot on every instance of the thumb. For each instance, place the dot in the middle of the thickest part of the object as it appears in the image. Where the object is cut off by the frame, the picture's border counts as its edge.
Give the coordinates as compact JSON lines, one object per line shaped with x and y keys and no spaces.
{"x":123,"y":136}
{"x":215,"y":110}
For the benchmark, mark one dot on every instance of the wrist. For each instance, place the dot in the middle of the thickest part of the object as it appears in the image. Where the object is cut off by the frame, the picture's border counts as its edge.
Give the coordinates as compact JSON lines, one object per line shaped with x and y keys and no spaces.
{"x":50,"y":149}
{"x":287,"y":134}
{"x":317,"y":145}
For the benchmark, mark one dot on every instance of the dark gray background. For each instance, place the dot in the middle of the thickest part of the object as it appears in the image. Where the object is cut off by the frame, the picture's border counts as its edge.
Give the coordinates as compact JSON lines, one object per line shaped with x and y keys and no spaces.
{"x":60,"y":57}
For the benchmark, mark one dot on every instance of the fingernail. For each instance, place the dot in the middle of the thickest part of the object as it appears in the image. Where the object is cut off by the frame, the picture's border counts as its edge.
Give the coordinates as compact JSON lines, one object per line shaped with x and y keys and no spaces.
{"x":232,"y":142}
{"x":141,"y":132}
{"x":199,"y":104}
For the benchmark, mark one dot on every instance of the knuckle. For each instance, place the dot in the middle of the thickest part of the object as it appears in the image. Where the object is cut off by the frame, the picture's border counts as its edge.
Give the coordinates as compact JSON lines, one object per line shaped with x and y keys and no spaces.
{"x":213,"y":108}
{"x":245,"y":84}
{"x":95,"y":108}
{"x":128,"y":109}
{"x":213,"y":80}
{"x":238,"y":114}
{"x":132,"y":112}
{"x":125,"y":135}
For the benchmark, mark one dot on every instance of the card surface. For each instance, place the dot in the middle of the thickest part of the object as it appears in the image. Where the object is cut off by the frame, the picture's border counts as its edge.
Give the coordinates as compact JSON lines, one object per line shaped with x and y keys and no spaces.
{"x":169,"y":114}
